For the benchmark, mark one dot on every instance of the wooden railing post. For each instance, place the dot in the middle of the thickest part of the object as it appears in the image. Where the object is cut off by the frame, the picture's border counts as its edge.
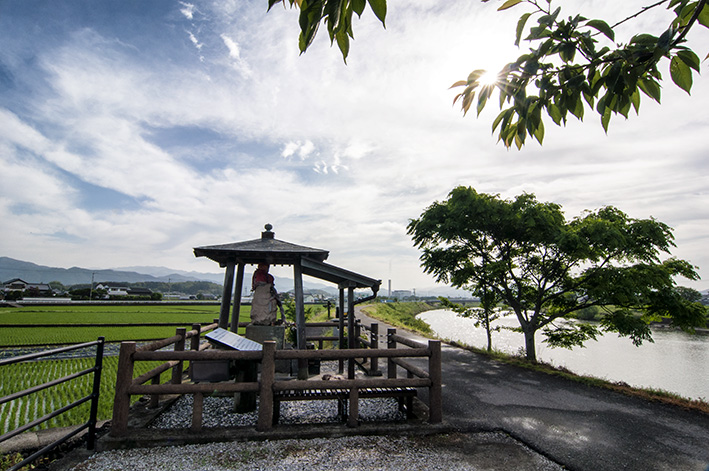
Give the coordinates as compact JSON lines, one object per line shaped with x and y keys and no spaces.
{"x":374,"y":343}
{"x":435,"y":398}
{"x":391,"y":343}
{"x":154,"y":398}
{"x":197,"y":409}
{"x":353,"y":416}
{"x":179,"y":347}
{"x":124,"y":377}
{"x":268,"y":374}
{"x":194,"y":341}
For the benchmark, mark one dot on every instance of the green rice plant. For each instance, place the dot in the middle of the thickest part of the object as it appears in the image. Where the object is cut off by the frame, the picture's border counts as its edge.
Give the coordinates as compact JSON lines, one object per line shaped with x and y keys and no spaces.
{"x":21,"y":376}
{"x":114,"y":314}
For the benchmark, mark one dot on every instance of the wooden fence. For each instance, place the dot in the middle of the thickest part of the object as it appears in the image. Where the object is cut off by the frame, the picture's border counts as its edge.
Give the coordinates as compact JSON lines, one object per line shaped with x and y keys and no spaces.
{"x":270,"y":390}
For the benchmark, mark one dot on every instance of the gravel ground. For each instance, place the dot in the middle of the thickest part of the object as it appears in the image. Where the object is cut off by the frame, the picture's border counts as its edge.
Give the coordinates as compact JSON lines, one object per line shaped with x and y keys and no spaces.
{"x":476,"y":451}
{"x":218,"y":412}
{"x":457,"y":451}
{"x":483,"y":451}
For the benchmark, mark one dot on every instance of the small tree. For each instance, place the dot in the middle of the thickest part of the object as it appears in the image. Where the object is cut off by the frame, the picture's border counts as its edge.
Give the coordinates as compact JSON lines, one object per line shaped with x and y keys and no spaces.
{"x":482,"y":316}
{"x":546,"y":269}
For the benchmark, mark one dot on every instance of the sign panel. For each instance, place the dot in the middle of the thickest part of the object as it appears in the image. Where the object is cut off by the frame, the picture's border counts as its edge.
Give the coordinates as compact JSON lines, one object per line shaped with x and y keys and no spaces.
{"x":229,"y":339}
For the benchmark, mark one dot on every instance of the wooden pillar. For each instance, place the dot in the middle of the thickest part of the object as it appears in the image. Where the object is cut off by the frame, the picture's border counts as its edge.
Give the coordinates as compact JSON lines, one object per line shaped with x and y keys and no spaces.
{"x":238,"y":286}
{"x":197,"y":409}
{"x":341,"y":328}
{"x":374,"y":341}
{"x":435,"y":399}
{"x":226,"y":295}
{"x":391,"y":366}
{"x":268,"y":374}
{"x":351,"y":334}
{"x":178,"y":369}
{"x":300,"y":318}
{"x":353,"y":416}
{"x":121,"y":401}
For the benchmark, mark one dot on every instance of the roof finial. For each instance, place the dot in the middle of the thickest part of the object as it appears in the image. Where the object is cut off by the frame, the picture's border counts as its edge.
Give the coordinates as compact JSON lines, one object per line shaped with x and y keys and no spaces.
{"x":268,"y":234}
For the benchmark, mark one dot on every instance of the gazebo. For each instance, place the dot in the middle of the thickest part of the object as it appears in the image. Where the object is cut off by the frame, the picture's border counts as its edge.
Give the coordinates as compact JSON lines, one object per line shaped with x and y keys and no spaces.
{"x":305,"y":261}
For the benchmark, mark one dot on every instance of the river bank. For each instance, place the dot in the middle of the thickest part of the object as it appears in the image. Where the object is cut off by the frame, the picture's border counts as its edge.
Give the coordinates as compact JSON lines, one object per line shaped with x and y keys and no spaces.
{"x":675,"y":362}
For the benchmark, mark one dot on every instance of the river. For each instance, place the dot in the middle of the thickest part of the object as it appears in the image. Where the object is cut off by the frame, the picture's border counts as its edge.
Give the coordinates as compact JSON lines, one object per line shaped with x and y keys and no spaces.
{"x":676,"y":362}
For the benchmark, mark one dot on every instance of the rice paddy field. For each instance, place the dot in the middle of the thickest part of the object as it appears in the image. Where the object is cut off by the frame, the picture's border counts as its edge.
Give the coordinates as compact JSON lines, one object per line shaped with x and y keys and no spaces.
{"x":61,"y":325}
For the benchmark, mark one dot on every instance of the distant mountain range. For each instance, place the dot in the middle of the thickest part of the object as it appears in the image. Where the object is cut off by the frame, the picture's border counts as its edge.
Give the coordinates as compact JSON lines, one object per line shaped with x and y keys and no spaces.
{"x":33,"y":273}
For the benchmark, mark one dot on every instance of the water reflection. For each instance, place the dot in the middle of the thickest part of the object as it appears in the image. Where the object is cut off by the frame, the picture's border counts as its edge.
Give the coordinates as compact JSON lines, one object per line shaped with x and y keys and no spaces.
{"x":675,"y":362}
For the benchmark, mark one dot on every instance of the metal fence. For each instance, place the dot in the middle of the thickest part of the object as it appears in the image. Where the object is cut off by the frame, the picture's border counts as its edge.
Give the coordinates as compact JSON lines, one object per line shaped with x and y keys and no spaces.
{"x":93,"y":397}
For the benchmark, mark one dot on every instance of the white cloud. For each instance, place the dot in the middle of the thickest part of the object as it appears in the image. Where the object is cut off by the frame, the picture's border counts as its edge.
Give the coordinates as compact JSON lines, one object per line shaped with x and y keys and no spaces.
{"x":338,"y":157}
{"x":188,"y":10}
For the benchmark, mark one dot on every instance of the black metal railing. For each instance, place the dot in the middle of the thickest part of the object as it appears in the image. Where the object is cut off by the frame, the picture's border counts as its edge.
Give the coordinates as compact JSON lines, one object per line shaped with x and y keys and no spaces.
{"x":93,"y":397}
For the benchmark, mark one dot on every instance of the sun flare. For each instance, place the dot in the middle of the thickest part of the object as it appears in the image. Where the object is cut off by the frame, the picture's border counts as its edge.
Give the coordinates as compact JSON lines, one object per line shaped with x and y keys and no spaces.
{"x":488,"y":78}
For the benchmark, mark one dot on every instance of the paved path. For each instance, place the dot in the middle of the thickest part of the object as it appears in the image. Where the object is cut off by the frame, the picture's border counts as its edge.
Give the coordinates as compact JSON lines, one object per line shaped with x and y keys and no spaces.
{"x":578,"y":426}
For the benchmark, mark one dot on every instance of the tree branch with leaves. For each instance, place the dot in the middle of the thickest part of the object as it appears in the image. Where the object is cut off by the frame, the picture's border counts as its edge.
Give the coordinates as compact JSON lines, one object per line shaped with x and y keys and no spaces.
{"x":573,"y":64}
{"x":567,"y":69}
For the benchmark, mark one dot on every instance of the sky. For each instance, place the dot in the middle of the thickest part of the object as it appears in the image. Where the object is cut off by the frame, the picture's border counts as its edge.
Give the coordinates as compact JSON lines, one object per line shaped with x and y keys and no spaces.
{"x":133,"y":131}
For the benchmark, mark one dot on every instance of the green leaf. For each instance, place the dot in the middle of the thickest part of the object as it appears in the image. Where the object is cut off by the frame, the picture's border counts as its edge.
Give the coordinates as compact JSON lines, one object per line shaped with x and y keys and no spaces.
{"x":555,"y":113}
{"x":343,"y":42}
{"x":703,"y":18}
{"x":689,"y":58}
{"x":635,"y":99}
{"x":539,"y":133}
{"x":520,"y":27}
{"x":650,"y":87}
{"x":509,"y":4}
{"x":681,"y":74}
{"x":577,"y":108}
{"x":482,"y":98}
{"x":379,"y":7}
{"x":358,"y":6}
{"x":603,"y":27}
{"x":606,"y":119}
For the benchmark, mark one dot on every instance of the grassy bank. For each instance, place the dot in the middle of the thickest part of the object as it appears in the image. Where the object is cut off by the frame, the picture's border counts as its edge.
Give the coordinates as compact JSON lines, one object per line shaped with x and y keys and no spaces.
{"x":404,"y":315}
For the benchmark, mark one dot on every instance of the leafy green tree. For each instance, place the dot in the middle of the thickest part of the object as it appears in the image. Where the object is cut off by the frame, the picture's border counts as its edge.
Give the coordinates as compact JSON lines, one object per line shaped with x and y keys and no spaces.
{"x":546,"y":268}
{"x":573,"y":64}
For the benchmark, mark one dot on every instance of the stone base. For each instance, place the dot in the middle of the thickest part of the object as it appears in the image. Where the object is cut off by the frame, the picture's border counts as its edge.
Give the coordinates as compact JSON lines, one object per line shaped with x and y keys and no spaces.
{"x":261,"y":333}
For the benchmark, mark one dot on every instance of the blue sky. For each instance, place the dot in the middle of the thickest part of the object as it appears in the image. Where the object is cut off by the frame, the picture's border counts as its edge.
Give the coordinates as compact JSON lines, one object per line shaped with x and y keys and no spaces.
{"x":133,"y":131}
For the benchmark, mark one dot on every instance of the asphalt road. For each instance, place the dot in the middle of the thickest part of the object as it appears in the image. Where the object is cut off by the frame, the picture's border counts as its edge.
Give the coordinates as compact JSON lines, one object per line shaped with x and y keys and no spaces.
{"x":577,"y":426}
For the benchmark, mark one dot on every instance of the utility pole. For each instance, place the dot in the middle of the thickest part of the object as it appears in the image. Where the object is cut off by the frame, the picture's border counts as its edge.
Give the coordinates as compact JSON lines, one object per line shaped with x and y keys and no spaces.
{"x":91,"y":290}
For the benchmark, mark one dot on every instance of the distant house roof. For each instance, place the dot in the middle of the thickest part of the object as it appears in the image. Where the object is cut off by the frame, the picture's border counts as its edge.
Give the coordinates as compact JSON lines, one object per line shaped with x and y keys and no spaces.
{"x":139,"y":291}
{"x":15,"y":280}
{"x":18,"y":284}
{"x":112,"y":284}
{"x":266,"y":249}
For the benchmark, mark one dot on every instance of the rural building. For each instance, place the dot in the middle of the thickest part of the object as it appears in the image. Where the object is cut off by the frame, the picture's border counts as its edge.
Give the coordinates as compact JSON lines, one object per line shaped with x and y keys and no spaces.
{"x":17,"y":284}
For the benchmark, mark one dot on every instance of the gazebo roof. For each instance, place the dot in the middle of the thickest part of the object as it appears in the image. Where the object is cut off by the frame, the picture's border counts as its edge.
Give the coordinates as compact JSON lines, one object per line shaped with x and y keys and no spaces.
{"x":343,"y":278}
{"x":277,"y":252}
{"x":266,"y":249}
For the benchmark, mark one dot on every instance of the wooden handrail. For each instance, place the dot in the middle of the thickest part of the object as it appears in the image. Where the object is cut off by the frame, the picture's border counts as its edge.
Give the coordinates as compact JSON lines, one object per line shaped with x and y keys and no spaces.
{"x":417,"y":377}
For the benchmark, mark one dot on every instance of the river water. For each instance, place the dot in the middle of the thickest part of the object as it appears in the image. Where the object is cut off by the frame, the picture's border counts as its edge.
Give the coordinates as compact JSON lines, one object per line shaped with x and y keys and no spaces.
{"x":676,"y":362}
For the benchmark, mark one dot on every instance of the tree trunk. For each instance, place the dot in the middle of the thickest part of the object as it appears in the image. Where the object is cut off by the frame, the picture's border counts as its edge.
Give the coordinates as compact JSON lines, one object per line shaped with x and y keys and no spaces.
{"x":489,"y":333}
{"x":529,"y":345}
